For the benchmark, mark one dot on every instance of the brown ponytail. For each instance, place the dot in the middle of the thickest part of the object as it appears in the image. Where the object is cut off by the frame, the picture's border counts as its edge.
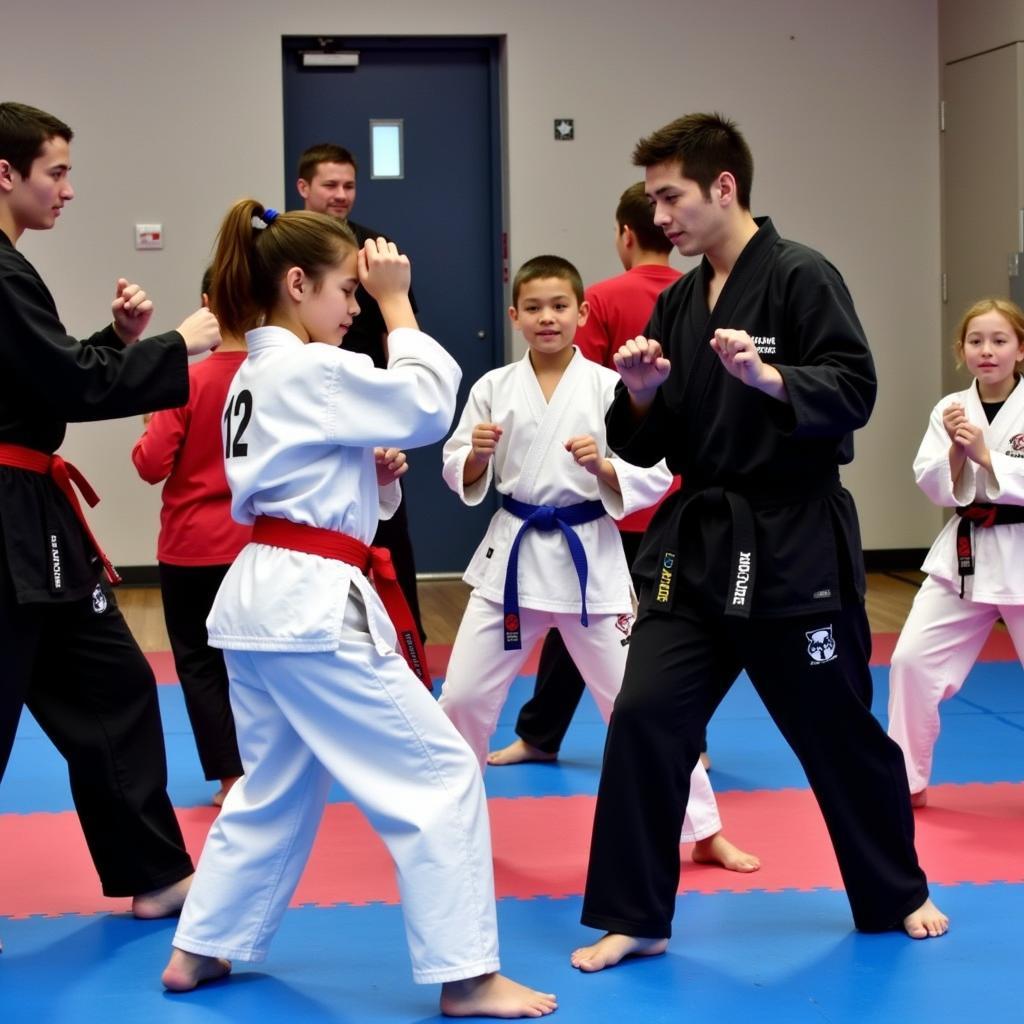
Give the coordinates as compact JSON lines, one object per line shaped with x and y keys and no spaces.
{"x":251,"y":259}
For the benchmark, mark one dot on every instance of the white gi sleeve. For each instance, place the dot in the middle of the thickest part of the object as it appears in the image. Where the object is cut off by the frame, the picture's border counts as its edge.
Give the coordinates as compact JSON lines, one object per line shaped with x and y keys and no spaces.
{"x":639,"y":487}
{"x":931,"y":465}
{"x":390,"y":499}
{"x":459,"y":446}
{"x":408,"y":405}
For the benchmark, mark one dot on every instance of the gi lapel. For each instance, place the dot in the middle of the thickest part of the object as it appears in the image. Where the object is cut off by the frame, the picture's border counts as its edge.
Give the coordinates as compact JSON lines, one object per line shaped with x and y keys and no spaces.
{"x":702,"y":323}
{"x":547,"y":416}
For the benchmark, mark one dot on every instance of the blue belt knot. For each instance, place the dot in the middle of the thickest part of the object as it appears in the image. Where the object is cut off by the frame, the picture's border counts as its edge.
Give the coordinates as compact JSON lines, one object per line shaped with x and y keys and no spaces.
{"x":545,"y":517}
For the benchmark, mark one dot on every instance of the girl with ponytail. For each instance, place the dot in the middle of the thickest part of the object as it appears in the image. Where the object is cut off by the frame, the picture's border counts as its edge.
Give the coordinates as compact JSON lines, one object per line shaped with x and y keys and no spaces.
{"x":313,"y":438}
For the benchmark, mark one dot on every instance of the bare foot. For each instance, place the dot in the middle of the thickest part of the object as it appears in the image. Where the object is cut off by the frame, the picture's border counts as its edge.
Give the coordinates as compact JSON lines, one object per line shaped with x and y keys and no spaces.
{"x":494,"y":995}
{"x":927,"y":922}
{"x":717,"y":849}
{"x":184,"y":971}
{"x":165,"y":902}
{"x":612,"y":948}
{"x":705,"y":759}
{"x":519,"y":752}
{"x":225,"y":787}
{"x":919,"y":799}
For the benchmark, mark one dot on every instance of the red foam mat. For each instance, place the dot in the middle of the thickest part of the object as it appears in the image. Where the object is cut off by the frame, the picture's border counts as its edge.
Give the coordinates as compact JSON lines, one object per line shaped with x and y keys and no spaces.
{"x":971,"y":833}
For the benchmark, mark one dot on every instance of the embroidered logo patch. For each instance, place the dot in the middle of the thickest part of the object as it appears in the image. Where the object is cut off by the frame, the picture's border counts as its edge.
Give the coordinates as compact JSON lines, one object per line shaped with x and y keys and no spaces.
{"x":99,"y":600}
{"x":1016,"y":445}
{"x":822,"y":646}
{"x":624,"y":623}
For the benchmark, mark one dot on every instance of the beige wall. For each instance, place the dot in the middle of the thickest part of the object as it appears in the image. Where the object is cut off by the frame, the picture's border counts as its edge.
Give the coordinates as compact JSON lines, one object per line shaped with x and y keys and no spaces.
{"x":178,"y":111}
{"x":967,"y":27}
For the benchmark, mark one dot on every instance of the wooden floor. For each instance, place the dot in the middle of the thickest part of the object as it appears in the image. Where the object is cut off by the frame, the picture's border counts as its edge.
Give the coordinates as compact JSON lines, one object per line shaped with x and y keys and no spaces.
{"x":442,"y":603}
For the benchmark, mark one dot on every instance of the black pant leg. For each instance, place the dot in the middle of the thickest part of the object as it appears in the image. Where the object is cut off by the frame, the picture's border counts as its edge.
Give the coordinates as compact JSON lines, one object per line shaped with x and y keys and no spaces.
{"x":812,"y":674}
{"x":677,"y":672}
{"x":93,"y":692}
{"x":545,"y":718}
{"x":393,"y":534}
{"x":188,"y":593}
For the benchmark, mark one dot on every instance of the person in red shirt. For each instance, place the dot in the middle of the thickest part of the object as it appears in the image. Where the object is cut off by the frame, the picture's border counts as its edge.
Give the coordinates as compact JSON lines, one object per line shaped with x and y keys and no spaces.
{"x":198,"y":542}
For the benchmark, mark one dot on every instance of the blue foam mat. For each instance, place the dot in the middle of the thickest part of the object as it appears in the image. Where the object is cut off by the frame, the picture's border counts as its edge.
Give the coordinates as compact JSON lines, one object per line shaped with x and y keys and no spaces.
{"x":982,"y":736}
{"x":786,"y":957}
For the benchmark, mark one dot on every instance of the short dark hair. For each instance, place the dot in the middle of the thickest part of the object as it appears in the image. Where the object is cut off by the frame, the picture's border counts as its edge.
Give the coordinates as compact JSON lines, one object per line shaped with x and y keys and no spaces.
{"x":24,"y":130}
{"x":547,"y":266}
{"x":705,"y":145}
{"x":324,"y":153}
{"x":634,"y":212}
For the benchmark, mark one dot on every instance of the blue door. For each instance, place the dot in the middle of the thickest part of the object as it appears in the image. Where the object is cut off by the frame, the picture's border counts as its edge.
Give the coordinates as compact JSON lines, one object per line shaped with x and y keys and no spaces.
{"x":445,"y":212}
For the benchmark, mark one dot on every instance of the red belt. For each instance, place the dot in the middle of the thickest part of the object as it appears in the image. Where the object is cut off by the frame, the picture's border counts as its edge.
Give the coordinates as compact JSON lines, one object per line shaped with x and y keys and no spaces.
{"x":372,"y":562}
{"x":63,"y":474}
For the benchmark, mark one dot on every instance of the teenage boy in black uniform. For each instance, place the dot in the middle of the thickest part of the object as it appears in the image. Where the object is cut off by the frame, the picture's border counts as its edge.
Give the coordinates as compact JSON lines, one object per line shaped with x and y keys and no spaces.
{"x":67,"y":652}
{"x":753,"y":374}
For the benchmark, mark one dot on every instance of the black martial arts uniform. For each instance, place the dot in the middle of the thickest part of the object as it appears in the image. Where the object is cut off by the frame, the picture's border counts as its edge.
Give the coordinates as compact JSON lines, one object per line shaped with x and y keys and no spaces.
{"x":67,"y":652}
{"x":366,"y":335}
{"x":756,"y":564}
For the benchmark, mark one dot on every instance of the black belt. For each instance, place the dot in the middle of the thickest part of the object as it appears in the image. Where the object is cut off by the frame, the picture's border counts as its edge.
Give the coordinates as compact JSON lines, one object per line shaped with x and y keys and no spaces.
{"x":743,"y":564}
{"x":983,"y":514}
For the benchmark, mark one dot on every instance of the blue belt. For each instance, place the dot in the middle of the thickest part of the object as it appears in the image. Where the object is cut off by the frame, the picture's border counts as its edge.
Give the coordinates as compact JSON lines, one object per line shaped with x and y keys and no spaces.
{"x":545,"y":517}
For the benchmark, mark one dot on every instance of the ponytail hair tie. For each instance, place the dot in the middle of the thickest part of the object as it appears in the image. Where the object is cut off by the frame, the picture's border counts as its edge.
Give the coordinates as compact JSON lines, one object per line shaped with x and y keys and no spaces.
{"x":264,"y":222}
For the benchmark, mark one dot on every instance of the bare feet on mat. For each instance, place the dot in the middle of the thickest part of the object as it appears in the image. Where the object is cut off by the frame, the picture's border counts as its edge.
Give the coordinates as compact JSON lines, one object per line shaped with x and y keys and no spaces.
{"x":184,"y":971}
{"x":705,"y":760}
{"x":225,"y":788}
{"x":612,"y":948}
{"x":919,"y":799}
{"x":927,"y":922}
{"x":717,"y":849}
{"x":494,"y":995}
{"x":165,"y":902}
{"x":519,"y":752}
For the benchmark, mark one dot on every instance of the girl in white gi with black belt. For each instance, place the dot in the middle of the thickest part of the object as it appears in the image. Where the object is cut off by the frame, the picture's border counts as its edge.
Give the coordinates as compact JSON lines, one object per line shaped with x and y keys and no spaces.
{"x":312,"y":436}
{"x":971,"y":458}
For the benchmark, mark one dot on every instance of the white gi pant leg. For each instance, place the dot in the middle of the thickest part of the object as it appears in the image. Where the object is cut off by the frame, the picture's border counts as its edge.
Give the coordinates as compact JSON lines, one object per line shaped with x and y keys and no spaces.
{"x":938,"y":646}
{"x":481,"y":671}
{"x":364,"y":718}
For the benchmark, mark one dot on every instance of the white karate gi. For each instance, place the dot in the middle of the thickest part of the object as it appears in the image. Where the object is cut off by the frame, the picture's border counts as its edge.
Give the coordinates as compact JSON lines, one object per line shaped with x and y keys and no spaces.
{"x":944,"y":634}
{"x":316,"y":686}
{"x":532,"y":465}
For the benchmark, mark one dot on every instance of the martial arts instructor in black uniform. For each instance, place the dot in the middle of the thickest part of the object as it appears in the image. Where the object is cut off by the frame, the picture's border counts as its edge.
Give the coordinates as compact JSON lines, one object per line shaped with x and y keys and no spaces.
{"x":752,"y":376}
{"x":67,"y":653}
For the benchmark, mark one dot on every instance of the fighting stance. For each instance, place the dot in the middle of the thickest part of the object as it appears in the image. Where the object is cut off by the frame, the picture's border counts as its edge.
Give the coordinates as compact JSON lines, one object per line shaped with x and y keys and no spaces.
{"x":68,"y":654}
{"x":317,"y":687}
{"x":618,"y":308}
{"x":198,"y":541}
{"x":971,"y":459}
{"x":327,"y":184}
{"x":551,"y":557}
{"x":756,"y":564}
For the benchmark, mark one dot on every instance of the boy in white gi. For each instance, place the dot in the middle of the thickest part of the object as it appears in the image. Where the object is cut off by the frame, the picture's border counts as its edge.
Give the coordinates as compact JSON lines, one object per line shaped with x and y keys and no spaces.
{"x":552,"y":557}
{"x":971,"y":459}
{"x":317,"y":688}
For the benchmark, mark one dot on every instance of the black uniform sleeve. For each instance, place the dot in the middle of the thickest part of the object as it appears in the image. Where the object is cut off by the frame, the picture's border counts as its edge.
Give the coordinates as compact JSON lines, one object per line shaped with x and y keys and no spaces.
{"x":79,"y":382}
{"x":831,"y":383}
